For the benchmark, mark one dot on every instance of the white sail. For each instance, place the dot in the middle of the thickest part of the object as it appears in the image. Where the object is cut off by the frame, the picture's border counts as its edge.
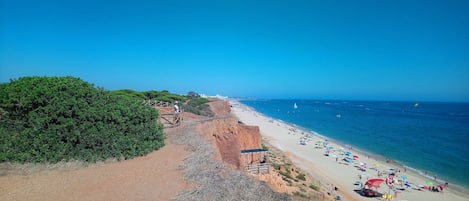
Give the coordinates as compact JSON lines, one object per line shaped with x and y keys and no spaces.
{"x":295,"y":106}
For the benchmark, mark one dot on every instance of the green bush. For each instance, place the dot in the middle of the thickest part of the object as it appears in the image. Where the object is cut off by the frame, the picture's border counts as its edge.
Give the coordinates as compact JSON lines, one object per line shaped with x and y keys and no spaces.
{"x":51,"y":119}
{"x":264,"y":147}
{"x":149,"y":95}
{"x":198,"y":106}
{"x":301,"y":177}
{"x":130,"y":94}
{"x":314,"y":187}
{"x":286,"y":174}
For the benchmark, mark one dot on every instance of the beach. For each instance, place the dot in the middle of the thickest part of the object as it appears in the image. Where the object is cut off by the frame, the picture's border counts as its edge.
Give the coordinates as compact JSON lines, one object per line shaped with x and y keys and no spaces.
{"x":324,"y":159}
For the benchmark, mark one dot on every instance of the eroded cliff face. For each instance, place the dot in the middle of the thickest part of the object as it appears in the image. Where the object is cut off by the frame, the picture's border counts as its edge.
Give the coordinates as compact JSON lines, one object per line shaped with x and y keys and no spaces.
{"x":222,"y":134}
{"x":229,"y":137}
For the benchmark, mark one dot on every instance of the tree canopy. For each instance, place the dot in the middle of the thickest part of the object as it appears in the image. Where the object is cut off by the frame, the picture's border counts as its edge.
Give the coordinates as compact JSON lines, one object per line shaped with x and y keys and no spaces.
{"x":51,"y":119}
{"x":192,"y":102}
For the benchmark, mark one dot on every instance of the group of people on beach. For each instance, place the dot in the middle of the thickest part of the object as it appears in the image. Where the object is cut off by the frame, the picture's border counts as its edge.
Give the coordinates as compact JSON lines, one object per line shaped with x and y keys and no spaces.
{"x":390,"y":177}
{"x":384,"y":168}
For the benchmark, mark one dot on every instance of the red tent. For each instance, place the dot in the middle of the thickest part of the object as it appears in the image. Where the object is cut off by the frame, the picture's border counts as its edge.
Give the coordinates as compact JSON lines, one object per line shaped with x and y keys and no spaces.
{"x":374,"y":183}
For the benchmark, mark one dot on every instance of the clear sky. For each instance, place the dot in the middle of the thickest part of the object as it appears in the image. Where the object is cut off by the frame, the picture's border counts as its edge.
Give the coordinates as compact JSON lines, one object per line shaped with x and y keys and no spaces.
{"x":360,"y":49}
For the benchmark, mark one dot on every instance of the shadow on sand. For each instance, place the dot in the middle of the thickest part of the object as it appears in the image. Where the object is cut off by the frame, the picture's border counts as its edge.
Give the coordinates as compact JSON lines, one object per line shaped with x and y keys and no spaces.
{"x":368,"y":193}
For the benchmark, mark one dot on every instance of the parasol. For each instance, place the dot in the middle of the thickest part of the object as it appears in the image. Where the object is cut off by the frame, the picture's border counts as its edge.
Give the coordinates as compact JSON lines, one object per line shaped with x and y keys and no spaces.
{"x":374,"y":182}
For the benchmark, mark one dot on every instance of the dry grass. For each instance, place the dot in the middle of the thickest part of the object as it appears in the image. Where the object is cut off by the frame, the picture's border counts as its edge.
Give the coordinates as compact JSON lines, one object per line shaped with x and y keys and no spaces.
{"x":214,"y":179}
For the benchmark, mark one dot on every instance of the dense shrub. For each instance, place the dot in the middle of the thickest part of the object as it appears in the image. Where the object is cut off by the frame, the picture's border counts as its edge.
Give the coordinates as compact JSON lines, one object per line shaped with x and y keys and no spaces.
{"x":50,"y":119}
{"x":129,"y":94}
{"x":198,"y":106}
{"x":149,"y":95}
{"x":192,"y":102}
{"x":301,"y":176}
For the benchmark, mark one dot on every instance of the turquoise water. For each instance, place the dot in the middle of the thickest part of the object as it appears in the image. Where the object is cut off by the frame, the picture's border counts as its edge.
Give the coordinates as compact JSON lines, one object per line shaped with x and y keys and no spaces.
{"x":430,"y":137}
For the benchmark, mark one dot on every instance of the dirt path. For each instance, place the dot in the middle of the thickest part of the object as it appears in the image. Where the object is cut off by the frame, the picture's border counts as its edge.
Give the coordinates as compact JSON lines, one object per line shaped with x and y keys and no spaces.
{"x":156,"y":176}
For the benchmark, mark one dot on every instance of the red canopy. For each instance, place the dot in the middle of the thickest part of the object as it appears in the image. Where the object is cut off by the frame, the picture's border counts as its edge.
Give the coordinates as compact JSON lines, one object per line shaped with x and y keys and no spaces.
{"x":374,"y":182}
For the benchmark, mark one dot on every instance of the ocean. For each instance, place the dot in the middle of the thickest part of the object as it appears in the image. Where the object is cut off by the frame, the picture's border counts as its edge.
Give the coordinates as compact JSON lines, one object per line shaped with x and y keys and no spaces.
{"x":430,"y":137}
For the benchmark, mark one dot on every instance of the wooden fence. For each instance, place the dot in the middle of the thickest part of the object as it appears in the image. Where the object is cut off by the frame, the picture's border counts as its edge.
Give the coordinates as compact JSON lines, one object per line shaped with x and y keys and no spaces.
{"x":260,"y":168}
{"x":258,"y":163}
{"x":166,"y":112}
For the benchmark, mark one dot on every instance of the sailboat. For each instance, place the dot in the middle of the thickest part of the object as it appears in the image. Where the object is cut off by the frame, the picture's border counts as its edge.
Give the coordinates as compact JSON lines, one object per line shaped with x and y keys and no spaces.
{"x":295,"y":106}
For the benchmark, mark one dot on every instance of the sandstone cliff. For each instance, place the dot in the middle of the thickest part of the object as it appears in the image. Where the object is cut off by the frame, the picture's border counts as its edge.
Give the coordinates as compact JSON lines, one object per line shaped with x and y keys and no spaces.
{"x":229,"y":137}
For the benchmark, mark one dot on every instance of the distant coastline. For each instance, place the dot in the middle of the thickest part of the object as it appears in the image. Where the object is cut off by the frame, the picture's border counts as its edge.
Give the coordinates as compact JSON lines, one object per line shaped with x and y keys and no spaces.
{"x":463,"y":188}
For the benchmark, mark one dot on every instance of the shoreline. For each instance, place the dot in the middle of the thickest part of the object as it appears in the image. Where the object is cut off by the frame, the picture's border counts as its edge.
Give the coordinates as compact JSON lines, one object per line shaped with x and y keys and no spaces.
{"x":283,"y":141}
{"x":461,"y":188}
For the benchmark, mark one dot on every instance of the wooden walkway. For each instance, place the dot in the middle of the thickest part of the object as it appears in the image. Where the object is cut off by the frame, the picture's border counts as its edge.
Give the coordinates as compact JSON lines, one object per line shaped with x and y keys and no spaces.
{"x":168,"y":116}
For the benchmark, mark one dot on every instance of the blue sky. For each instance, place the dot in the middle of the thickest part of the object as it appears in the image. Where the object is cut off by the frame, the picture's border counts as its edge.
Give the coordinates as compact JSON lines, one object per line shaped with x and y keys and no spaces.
{"x":373,"y":50}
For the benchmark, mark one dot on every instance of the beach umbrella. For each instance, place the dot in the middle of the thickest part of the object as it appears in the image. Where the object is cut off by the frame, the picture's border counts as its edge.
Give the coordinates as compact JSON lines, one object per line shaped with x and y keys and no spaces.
{"x":355,"y":156}
{"x":430,"y":183}
{"x":348,"y":153}
{"x":408,"y":185}
{"x":374,"y":182}
{"x":404,"y":177}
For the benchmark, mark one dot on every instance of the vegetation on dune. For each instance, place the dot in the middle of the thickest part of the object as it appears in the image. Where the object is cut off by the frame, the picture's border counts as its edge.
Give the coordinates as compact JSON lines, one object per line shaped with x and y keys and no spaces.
{"x":198,"y":106}
{"x":164,"y":95}
{"x":52,"y":119}
{"x":303,"y":186}
{"x":192,"y":102}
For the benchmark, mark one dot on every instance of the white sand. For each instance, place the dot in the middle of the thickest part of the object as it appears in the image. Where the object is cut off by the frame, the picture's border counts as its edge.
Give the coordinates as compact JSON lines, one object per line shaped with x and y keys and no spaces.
{"x":311,"y":158}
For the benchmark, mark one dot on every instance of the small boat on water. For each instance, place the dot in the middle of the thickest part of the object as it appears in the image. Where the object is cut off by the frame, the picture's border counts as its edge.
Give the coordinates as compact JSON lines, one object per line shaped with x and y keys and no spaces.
{"x":295,"y":106}
{"x":338,"y":115}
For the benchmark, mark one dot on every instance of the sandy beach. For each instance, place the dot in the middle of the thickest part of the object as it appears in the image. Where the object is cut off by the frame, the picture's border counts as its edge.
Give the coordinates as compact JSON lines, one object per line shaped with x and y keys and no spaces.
{"x":323,"y":159}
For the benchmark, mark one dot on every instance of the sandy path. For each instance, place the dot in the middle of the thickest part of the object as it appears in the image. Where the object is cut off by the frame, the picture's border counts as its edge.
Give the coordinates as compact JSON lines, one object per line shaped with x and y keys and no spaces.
{"x":156,"y":176}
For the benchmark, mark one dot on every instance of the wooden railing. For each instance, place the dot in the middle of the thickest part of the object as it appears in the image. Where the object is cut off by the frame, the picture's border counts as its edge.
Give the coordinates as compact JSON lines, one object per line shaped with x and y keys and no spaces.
{"x":167,"y":113}
{"x":156,"y":103}
{"x":260,"y":168}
